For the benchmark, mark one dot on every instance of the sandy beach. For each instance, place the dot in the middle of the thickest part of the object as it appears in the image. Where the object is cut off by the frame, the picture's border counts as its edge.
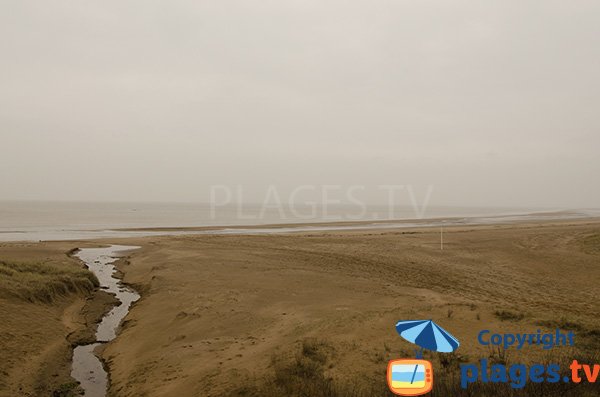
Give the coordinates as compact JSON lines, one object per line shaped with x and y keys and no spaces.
{"x":220,"y":315}
{"x":299,"y":199}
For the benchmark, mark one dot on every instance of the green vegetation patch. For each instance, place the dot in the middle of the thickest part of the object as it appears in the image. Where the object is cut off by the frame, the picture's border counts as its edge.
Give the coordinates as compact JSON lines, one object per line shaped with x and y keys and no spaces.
{"x":44,"y":282}
{"x":67,"y":390}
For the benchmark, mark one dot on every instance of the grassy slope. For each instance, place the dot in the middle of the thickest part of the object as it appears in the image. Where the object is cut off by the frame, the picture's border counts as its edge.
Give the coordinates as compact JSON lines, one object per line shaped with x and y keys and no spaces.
{"x":42,"y":290}
{"x":43,"y":282}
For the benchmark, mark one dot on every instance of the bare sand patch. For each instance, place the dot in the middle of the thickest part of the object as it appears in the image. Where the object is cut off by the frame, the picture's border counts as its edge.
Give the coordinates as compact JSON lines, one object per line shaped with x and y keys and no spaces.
{"x":215,"y":310}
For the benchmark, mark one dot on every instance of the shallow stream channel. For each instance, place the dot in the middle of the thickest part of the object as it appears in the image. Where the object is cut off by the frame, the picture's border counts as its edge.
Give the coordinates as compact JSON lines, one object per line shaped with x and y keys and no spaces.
{"x":87,"y":368}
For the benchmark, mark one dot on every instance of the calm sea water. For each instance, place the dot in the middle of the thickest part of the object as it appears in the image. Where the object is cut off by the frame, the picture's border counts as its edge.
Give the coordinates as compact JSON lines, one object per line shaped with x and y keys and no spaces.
{"x":73,"y":220}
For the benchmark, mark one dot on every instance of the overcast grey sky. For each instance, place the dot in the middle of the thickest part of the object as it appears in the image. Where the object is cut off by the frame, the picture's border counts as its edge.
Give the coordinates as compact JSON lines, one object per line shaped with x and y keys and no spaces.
{"x":491,"y":102}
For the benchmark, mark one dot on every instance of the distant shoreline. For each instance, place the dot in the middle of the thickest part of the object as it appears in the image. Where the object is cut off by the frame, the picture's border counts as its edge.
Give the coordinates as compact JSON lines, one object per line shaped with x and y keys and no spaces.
{"x":401,"y":222}
{"x":65,"y":234}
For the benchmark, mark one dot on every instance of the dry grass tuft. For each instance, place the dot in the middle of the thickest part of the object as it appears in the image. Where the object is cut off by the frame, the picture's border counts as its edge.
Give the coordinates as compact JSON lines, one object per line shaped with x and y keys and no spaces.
{"x":306,"y":375}
{"x":505,"y":315}
{"x":591,"y":244}
{"x":44,"y":282}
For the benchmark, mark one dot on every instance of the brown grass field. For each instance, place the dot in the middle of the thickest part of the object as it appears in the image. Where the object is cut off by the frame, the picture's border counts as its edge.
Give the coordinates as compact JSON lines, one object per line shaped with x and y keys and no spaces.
{"x":308,"y":314}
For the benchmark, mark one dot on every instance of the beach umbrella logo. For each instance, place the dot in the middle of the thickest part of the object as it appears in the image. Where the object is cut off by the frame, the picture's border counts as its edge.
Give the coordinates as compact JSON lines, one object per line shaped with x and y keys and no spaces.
{"x":427,"y":335}
{"x":414,"y":377}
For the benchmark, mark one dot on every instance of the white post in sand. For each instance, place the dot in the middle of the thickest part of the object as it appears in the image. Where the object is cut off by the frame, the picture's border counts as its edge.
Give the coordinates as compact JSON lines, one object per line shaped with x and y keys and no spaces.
{"x":442,"y":237}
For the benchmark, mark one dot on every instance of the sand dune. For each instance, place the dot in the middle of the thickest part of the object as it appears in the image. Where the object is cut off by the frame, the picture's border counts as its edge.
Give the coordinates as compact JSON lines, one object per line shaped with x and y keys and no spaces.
{"x":217,"y":309}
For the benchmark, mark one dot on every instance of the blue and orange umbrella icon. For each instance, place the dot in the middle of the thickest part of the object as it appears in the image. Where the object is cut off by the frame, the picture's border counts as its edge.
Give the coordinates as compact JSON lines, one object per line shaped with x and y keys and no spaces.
{"x":414,"y":377}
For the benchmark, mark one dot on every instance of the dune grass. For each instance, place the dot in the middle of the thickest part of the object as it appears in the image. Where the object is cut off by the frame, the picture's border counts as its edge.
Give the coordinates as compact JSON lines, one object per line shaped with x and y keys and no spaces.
{"x":306,"y":375}
{"x":505,"y":315}
{"x":43,"y":282}
{"x":591,"y":243}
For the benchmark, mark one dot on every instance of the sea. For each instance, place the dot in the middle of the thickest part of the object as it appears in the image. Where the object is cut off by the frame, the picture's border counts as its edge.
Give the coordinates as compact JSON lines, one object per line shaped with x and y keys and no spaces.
{"x":56,"y":220}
